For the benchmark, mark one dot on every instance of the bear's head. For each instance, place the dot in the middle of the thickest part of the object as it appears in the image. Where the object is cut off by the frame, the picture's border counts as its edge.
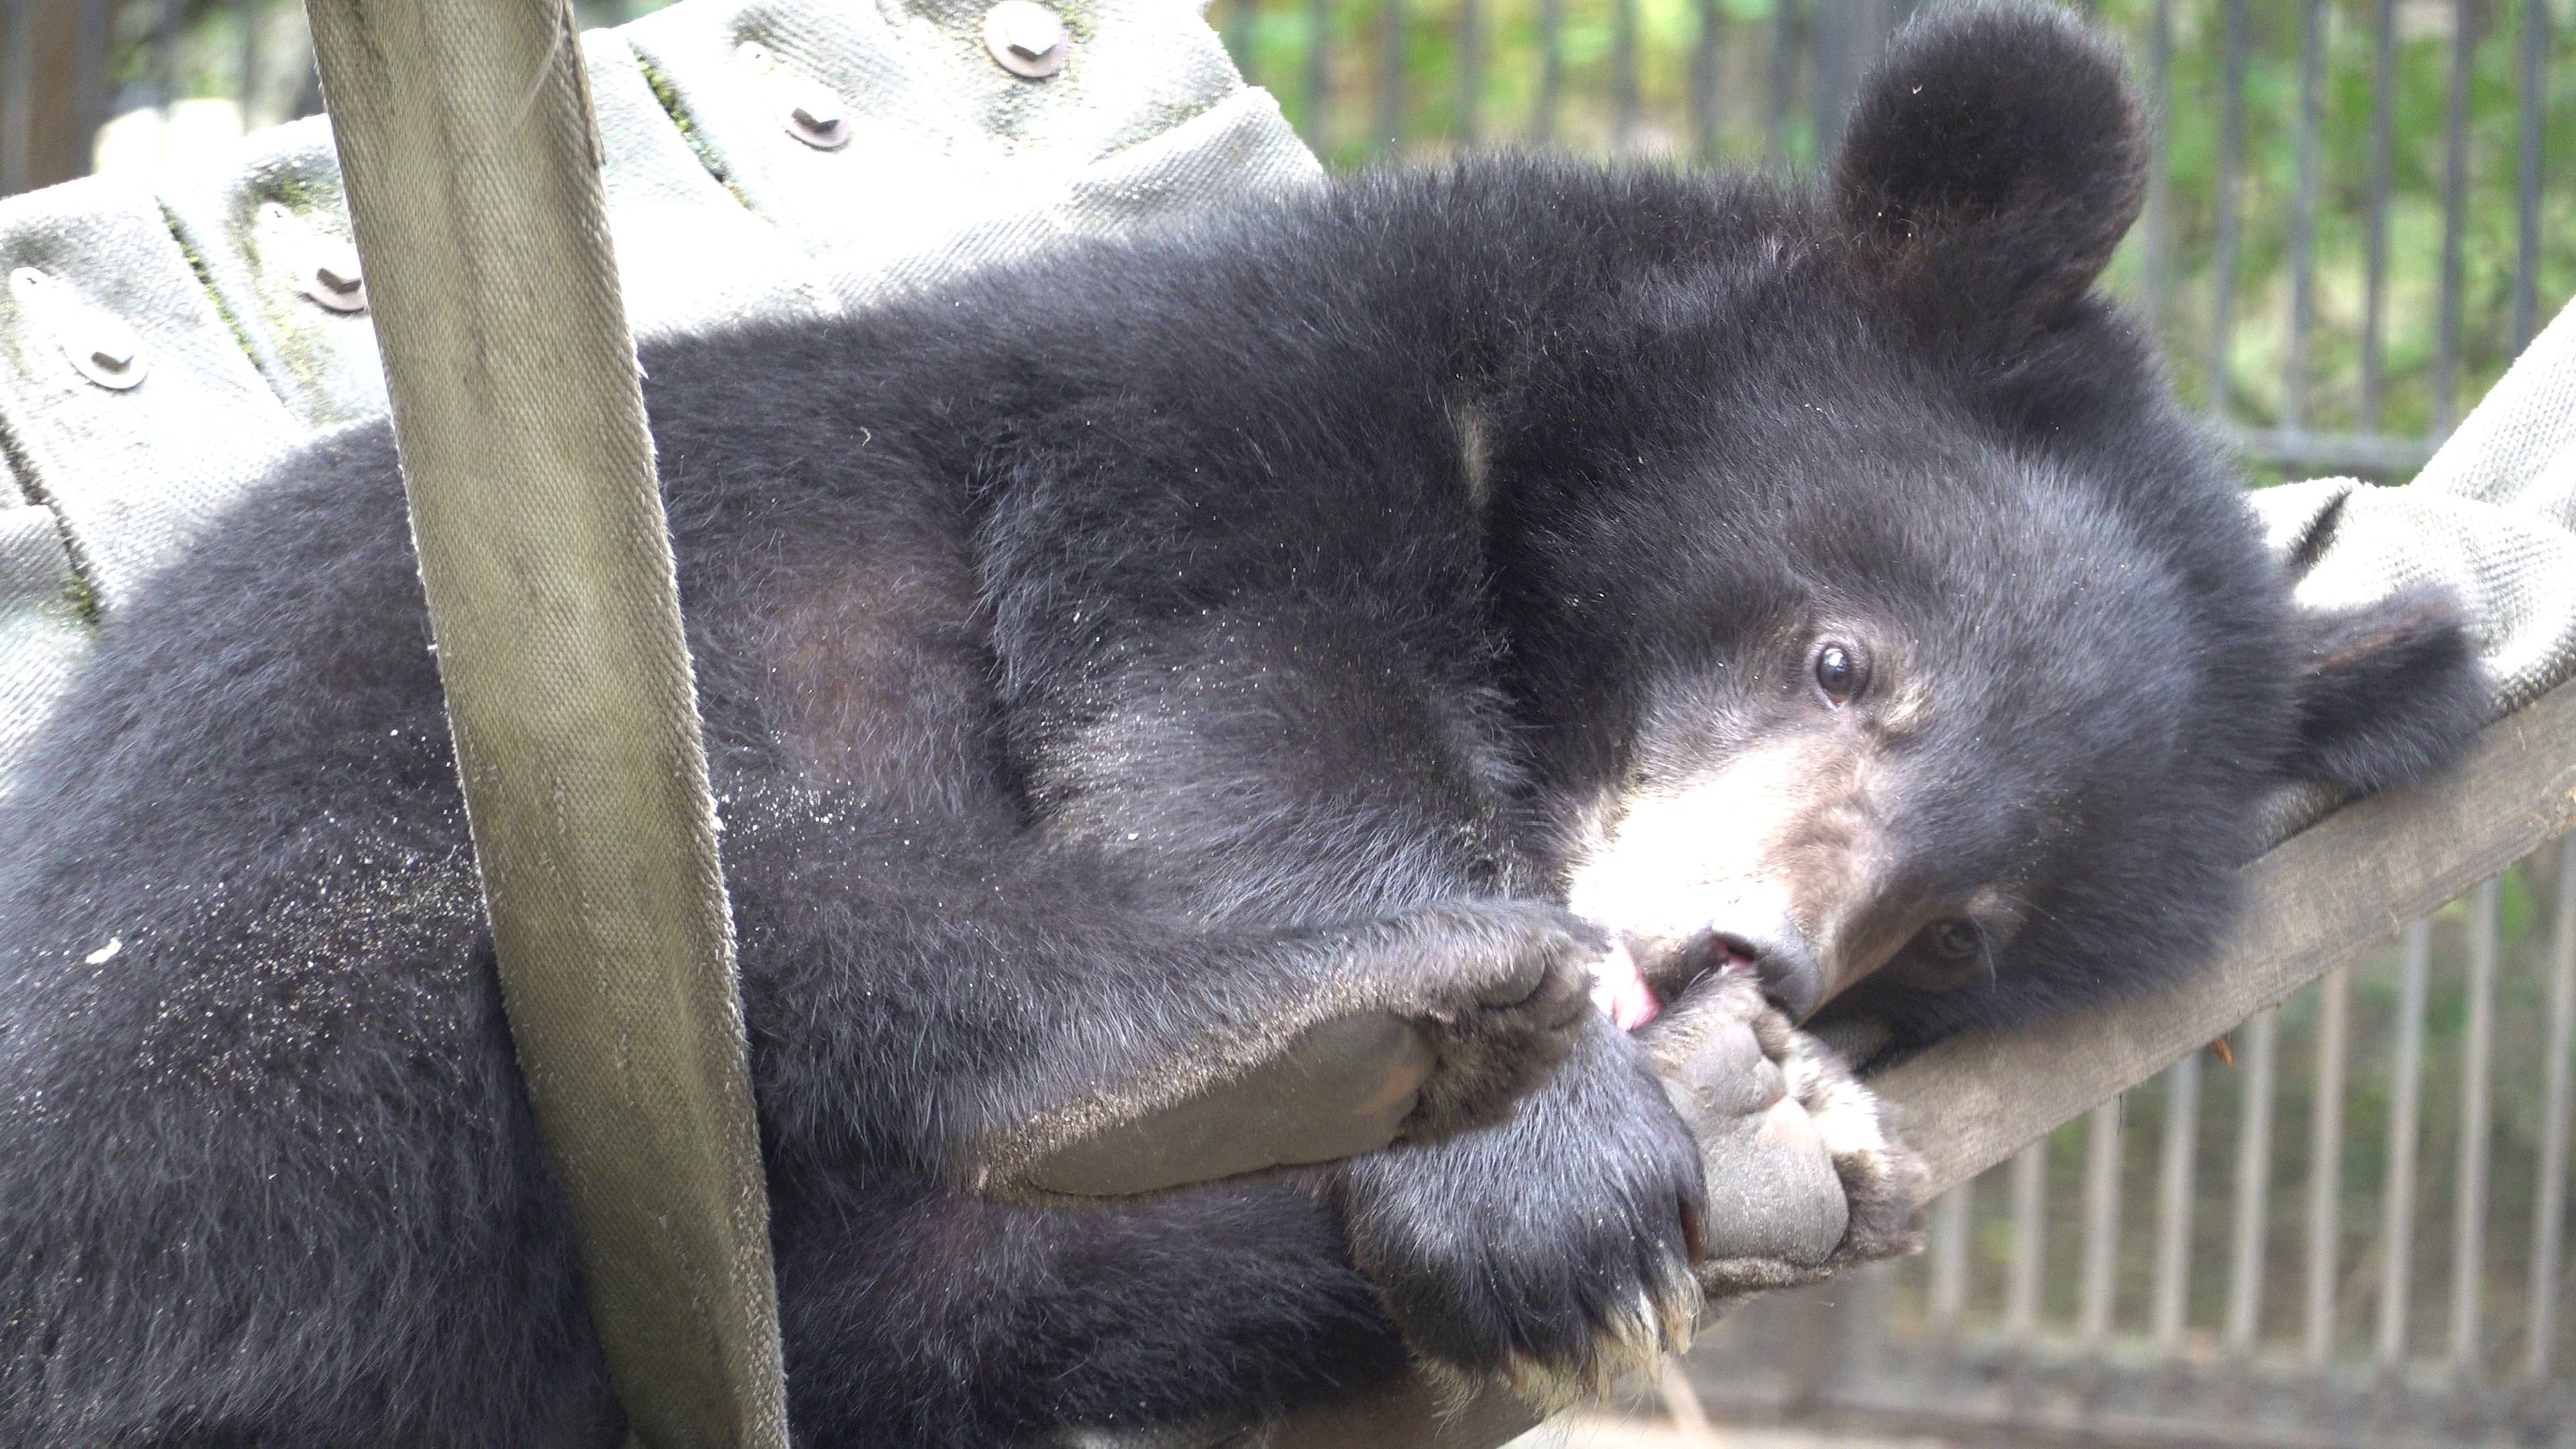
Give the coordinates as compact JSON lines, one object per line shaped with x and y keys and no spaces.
{"x":1914,"y":648}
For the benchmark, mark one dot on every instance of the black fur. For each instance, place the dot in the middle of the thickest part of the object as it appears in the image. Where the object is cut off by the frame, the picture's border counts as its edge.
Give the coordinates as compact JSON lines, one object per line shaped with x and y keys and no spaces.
{"x":1112,"y":646}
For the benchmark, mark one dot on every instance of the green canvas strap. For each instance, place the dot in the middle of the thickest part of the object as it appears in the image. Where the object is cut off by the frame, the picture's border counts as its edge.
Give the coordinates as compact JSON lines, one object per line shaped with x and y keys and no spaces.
{"x":465,"y":133}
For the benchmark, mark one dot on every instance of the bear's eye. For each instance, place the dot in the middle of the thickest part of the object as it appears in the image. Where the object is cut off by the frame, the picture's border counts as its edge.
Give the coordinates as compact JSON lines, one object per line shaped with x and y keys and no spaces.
{"x":1957,"y":940}
{"x":1840,"y":672}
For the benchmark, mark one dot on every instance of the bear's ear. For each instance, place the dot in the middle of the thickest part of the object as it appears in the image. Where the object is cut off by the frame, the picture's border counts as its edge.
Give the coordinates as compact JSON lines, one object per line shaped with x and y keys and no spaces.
{"x":2386,"y":693}
{"x":1993,"y":159}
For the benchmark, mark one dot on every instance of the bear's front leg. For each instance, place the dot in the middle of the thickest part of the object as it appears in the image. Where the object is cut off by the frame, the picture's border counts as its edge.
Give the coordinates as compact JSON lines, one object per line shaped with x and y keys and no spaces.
{"x":1554,"y":1250}
{"x":1715,"y":1154}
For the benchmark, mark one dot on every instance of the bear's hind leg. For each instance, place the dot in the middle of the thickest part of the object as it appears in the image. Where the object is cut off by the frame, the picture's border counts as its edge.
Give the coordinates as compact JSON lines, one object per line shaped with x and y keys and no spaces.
{"x":917,"y":1316}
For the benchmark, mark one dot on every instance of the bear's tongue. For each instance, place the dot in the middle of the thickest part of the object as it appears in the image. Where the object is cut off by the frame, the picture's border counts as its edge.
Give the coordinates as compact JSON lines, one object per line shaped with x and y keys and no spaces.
{"x":1620,"y":990}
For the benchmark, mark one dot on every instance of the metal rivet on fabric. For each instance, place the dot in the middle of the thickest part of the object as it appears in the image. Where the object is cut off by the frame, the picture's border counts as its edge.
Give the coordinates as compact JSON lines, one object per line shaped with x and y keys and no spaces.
{"x":322,"y":266}
{"x":1026,"y":38}
{"x":335,"y":281}
{"x":107,"y":353}
{"x":98,"y":344}
{"x":815,"y":118}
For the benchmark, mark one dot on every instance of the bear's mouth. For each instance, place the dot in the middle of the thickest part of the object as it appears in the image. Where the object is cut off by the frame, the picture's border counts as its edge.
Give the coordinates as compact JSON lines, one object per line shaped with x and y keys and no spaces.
{"x":1631,"y":994}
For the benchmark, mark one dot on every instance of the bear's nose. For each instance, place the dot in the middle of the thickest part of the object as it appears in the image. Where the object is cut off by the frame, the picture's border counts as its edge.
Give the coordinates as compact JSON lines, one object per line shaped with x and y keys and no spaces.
{"x":1777,"y":958}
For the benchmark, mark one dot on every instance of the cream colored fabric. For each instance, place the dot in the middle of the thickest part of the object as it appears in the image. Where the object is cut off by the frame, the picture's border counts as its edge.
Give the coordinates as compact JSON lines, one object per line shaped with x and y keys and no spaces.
{"x":717,"y":209}
{"x":2492,"y":518}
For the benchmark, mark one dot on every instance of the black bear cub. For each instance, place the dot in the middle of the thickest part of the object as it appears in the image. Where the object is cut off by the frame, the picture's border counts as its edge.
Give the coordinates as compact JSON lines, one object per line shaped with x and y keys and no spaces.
{"x":1402,"y":596}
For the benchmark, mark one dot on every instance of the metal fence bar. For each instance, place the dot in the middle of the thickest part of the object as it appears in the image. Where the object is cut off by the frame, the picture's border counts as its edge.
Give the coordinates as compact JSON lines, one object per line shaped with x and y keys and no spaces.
{"x":2549,"y":1214}
{"x":1623,"y":74}
{"x":1947,"y":1302}
{"x":2303,"y":216}
{"x":164,"y":62}
{"x":2222,"y":247}
{"x":17,"y":93}
{"x":2469,"y":1192}
{"x":1471,"y":68}
{"x":2397,"y":1192}
{"x":1233,"y":21}
{"x":2030,"y":1242}
{"x":2101,"y":1223}
{"x":1835,"y":42}
{"x":2455,"y":181}
{"x":1319,"y":75}
{"x":2325,"y":1165}
{"x":2175,"y":1171}
{"x":2159,"y":203}
{"x":2532,"y":100}
{"x":1705,"y":129}
{"x":247,"y":13}
{"x":2374,"y":287}
{"x":1389,"y":132}
{"x":2372,"y":453}
{"x":2253,"y":1188}
{"x":1784,"y":71}
{"x":1551,"y":68}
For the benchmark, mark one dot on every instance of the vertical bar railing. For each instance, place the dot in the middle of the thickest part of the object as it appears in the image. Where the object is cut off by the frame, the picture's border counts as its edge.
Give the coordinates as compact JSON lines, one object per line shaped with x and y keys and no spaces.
{"x":2175,"y":1176}
{"x":1835,"y":29}
{"x":2244,"y":1322}
{"x":2303,"y":216}
{"x":2374,"y":289}
{"x":1784,"y":79}
{"x":2455,"y":181}
{"x":2325,"y":1168}
{"x":17,"y":93}
{"x":2231,"y":152}
{"x":2029,"y":1242}
{"x":1471,"y":69}
{"x":1388,"y":133}
{"x":164,"y":61}
{"x":1624,"y":100}
{"x":1551,"y":69}
{"x":1318,"y":79}
{"x":2531,"y":100}
{"x":2158,"y":218}
{"x":2097,"y":1289}
{"x":2397,"y":1191}
{"x":1947,"y":1302}
{"x":2469,"y":1189}
{"x":1705,"y":59}
{"x":246,"y":13}
{"x":2549,"y":1209}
